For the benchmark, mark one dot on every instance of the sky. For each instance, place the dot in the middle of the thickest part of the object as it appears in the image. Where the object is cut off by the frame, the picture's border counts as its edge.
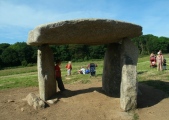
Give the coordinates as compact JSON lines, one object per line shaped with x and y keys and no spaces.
{"x":18,"y":17}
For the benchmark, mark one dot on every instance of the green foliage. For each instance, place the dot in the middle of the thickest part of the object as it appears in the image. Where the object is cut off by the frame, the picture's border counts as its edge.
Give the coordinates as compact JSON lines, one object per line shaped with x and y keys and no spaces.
{"x":149,"y":43}
{"x":30,"y":64}
{"x":20,"y":53}
{"x":25,"y":52}
{"x":17,"y":54}
{"x":10,"y":57}
{"x":3,"y":46}
{"x":97,"y":52}
{"x":61,"y":52}
{"x":135,"y":116}
{"x":24,"y":63}
{"x":78,"y":52}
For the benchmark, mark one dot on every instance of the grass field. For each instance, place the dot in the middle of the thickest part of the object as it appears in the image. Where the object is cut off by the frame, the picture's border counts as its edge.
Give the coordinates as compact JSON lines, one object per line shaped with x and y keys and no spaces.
{"x":27,"y":76}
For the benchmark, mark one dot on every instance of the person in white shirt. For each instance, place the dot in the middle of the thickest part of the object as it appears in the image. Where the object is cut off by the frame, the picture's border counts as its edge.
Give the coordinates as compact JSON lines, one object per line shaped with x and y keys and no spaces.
{"x":82,"y":70}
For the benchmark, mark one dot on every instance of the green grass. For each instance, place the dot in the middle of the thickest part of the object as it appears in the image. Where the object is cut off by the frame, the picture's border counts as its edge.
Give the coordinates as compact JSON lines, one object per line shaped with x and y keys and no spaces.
{"x":18,"y":70}
{"x":27,"y":76}
{"x":79,"y":78}
{"x":152,"y":77}
{"x":18,"y":77}
{"x":19,"y":80}
{"x":135,"y":116}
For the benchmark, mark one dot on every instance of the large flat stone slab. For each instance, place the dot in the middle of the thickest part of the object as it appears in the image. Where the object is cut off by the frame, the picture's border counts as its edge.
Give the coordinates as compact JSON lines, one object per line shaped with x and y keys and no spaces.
{"x":83,"y":31}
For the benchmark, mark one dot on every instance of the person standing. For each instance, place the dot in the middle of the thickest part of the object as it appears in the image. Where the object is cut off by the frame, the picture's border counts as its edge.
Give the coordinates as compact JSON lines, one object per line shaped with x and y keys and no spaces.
{"x":58,"y":75}
{"x":164,"y":64}
{"x":159,"y":60}
{"x":152,"y":60}
{"x":92,"y":67}
{"x":69,"y":68}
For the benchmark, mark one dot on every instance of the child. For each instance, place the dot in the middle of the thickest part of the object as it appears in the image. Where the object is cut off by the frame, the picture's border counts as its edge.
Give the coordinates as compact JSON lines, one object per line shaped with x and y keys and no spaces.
{"x":69,"y":68}
{"x":58,"y":75}
{"x":152,"y":60}
{"x":164,"y":64}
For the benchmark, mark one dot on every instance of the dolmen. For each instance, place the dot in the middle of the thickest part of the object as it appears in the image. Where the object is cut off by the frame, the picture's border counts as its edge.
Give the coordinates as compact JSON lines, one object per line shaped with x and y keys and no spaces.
{"x":120,"y":59}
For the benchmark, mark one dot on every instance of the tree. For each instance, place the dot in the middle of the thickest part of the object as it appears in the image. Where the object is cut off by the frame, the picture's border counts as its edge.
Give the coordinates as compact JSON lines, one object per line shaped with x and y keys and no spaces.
{"x":10,"y":57}
{"x":163,"y":44}
{"x":97,"y":51}
{"x":3,"y":46}
{"x":61,"y":52}
{"x":78,"y":51}
{"x":25,"y":52}
{"x":150,"y":43}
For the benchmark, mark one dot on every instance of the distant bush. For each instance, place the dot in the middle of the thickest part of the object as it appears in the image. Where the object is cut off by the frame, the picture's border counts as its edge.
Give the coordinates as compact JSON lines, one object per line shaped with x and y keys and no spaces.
{"x":24,"y":63}
{"x":30,"y":64}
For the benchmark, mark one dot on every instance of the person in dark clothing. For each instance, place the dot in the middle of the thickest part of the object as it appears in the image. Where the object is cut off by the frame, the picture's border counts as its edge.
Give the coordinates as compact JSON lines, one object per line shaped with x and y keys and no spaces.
{"x":58,"y":75}
{"x":92,"y":67}
{"x":164,"y":64}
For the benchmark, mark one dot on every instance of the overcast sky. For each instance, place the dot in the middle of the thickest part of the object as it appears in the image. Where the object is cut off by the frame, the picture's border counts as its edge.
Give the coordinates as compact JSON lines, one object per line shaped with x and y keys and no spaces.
{"x":18,"y":17}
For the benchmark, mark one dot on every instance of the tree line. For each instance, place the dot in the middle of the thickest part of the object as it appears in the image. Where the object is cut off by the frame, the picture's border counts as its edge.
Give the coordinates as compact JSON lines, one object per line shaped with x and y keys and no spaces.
{"x":150,"y":43}
{"x":21,"y":54}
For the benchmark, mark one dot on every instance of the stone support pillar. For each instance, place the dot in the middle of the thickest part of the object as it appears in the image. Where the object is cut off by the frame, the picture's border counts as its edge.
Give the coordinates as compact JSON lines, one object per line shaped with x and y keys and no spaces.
{"x":119,"y":73}
{"x":128,"y":90}
{"x":46,"y":73}
{"x":111,"y":78}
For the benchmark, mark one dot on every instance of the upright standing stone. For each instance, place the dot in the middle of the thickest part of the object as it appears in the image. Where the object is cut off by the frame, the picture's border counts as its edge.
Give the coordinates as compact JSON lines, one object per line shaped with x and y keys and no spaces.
{"x":128,"y":93}
{"x":46,"y":74}
{"x":112,"y":72}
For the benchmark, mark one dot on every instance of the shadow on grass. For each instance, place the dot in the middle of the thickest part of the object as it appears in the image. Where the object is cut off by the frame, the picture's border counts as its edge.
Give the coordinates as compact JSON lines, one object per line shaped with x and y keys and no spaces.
{"x":99,"y":74}
{"x":152,"y":92}
{"x":141,"y":72}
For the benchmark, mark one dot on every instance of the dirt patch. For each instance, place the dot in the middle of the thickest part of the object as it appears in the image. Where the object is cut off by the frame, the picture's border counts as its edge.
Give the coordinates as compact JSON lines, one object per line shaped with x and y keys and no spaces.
{"x":83,"y":102}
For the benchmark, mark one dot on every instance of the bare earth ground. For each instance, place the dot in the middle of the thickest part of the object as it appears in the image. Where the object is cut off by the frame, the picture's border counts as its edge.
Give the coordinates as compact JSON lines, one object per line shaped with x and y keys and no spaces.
{"x":83,"y":102}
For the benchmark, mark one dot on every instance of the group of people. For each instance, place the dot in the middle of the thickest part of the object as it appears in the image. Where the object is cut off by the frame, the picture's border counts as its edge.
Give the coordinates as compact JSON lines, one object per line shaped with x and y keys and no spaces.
{"x":158,"y":61}
{"x":155,"y":61}
{"x":83,"y":70}
{"x":90,"y":69}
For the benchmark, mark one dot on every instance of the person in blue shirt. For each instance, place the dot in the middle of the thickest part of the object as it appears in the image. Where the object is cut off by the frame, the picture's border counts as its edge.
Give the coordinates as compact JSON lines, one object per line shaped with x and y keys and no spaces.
{"x":87,"y":71}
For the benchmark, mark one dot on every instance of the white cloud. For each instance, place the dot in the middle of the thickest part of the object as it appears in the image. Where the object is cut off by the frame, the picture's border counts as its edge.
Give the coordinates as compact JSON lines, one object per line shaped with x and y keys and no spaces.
{"x":20,"y":15}
{"x":26,"y":16}
{"x":17,"y":17}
